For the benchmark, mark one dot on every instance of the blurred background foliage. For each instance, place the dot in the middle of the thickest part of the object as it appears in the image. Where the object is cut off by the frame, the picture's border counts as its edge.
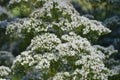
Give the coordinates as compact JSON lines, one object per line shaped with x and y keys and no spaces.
{"x":106,"y":11}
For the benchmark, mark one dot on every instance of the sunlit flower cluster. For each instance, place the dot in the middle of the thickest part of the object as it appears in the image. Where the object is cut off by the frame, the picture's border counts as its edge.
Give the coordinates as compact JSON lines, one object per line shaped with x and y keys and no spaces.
{"x":45,"y":42}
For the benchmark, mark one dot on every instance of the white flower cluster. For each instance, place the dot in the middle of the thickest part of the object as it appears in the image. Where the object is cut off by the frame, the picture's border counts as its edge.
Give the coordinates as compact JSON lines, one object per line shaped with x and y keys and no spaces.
{"x":29,"y":59}
{"x":60,"y":17}
{"x":4,"y":71}
{"x":74,"y":44}
{"x":62,"y":76}
{"x":43,"y":64}
{"x":67,"y":19}
{"x":114,"y":66}
{"x":18,"y":1}
{"x":58,"y":13}
{"x":31,"y":62}
{"x":44,"y":61}
{"x":91,"y":69}
{"x":89,"y":60}
{"x":23,"y":27}
{"x":93,"y":25}
{"x":44,"y":42}
{"x":74,"y":52}
{"x":25,"y":59}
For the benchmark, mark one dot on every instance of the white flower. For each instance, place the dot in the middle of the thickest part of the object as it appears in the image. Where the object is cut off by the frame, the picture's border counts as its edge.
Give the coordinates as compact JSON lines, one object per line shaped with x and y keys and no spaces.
{"x":61,"y":76}
{"x":42,"y":64}
{"x":4,"y":71}
{"x":50,"y":56}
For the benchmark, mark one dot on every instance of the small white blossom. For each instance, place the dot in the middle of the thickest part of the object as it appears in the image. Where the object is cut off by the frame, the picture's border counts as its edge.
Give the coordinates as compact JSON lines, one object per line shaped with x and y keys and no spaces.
{"x":61,"y":76}
{"x":4,"y":71}
{"x":42,"y":64}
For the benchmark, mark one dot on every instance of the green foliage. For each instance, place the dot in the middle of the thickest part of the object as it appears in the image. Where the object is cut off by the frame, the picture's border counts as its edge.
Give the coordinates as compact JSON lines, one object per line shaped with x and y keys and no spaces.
{"x":23,"y":8}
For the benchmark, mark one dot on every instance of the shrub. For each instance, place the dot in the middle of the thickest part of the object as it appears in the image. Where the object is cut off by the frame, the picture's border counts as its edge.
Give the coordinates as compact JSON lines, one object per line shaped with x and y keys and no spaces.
{"x":62,"y":45}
